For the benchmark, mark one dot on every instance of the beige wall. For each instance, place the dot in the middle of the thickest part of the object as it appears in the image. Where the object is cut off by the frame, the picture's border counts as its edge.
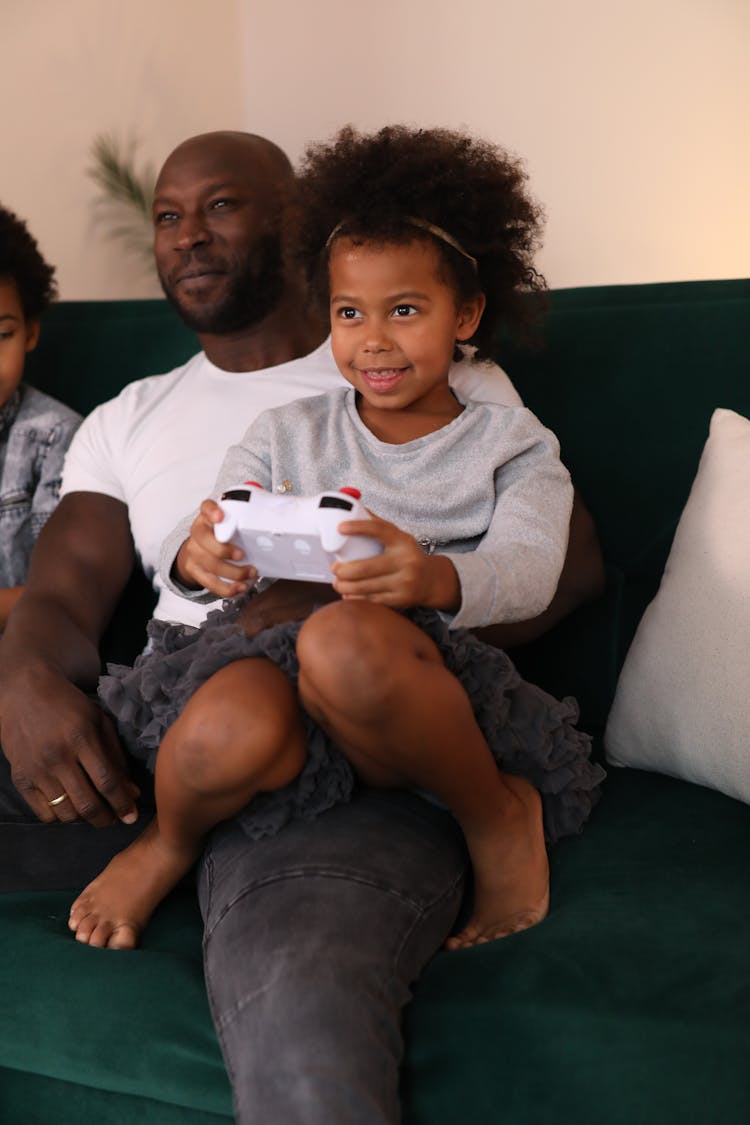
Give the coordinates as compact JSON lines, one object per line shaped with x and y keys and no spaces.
{"x":632,"y":115}
{"x":161,"y":69}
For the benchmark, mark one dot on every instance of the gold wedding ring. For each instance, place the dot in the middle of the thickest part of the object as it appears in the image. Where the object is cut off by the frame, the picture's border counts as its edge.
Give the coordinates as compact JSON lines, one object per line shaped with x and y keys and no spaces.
{"x":58,"y":800}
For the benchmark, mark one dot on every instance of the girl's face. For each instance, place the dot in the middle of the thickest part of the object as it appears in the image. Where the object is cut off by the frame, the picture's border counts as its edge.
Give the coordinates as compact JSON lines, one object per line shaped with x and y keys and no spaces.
{"x":395,"y":323}
{"x":17,"y":337}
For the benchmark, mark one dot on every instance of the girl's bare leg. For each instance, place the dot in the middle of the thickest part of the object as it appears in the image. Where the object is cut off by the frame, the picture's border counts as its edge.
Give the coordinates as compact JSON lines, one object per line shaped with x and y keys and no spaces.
{"x":378,"y":684}
{"x":240,"y":734}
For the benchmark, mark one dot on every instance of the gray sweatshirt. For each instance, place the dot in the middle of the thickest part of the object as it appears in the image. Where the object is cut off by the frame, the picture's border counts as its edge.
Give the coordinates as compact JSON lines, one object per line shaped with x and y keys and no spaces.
{"x":488,"y":490}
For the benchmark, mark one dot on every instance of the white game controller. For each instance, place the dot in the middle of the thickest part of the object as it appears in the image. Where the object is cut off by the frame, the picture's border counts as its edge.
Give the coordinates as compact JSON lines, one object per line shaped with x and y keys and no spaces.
{"x":293,"y":536}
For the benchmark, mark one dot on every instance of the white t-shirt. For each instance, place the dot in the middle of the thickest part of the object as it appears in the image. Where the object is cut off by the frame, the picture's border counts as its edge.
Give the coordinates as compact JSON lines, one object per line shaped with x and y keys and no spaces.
{"x":159,"y":444}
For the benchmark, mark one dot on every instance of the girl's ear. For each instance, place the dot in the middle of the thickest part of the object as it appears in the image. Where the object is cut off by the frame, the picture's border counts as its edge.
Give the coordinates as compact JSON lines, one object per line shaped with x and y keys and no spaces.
{"x":469,"y":316}
{"x":32,"y":334}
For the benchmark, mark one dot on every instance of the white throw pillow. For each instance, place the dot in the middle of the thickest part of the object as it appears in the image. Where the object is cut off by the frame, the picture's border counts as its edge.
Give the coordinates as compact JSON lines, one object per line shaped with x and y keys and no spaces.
{"x":682,"y":705}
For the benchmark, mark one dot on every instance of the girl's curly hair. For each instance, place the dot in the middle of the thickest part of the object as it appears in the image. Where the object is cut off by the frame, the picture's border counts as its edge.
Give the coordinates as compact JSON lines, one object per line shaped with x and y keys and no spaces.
{"x":22,"y":263}
{"x":368,"y":188}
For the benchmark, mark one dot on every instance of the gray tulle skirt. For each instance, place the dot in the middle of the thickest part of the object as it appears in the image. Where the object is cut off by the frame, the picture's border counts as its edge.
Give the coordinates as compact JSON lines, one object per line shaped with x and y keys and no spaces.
{"x":530,"y":733}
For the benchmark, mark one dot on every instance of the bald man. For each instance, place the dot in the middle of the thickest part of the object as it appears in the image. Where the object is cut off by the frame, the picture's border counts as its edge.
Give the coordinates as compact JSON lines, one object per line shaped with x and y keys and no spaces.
{"x":327,"y":924}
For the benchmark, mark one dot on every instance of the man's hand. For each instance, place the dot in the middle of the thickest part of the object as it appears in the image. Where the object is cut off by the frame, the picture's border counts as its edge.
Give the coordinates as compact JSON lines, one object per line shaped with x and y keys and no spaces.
{"x":56,"y":739}
{"x":60,"y":742}
{"x":204,"y":563}
{"x":402,"y":577}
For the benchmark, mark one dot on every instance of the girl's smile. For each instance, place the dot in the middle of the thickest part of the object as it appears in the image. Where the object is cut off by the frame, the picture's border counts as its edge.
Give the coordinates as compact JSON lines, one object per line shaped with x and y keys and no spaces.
{"x":381,"y":380}
{"x":394,"y":326}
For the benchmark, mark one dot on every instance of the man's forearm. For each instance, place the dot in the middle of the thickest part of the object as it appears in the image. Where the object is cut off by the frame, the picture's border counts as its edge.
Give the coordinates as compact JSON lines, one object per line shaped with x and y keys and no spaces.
{"x":53,"y":735}
{"x":79,"y":568}
{"x":41,"y":632}
{"x":8,"y":598}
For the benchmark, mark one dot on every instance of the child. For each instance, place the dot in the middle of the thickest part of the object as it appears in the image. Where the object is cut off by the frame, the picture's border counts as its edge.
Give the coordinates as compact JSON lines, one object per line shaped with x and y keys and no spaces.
{"x":35,"y":430}
{"x":420,"y":239}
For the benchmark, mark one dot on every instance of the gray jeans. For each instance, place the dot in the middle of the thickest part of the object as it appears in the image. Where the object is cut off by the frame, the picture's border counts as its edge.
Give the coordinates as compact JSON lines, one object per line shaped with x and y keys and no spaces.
{"x":312,"y":940}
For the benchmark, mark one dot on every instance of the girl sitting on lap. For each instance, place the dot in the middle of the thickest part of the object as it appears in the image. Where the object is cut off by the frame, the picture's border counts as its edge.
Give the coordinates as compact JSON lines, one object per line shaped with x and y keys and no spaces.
{"x":420,"y":240}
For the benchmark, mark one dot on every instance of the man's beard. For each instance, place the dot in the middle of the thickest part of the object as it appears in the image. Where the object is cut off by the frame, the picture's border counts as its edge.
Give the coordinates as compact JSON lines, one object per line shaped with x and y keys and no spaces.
{"x":254,"y":293}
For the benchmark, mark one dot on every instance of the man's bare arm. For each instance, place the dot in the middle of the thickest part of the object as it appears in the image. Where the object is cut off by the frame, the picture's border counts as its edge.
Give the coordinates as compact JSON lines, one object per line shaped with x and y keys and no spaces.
{"x":582,"y":580}
{"x":8,"y":598}
{"x":53,"y":735}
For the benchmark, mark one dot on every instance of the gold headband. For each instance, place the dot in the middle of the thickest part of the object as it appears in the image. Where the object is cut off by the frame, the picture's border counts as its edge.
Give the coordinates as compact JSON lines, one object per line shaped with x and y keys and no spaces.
{"x":438,"y":232}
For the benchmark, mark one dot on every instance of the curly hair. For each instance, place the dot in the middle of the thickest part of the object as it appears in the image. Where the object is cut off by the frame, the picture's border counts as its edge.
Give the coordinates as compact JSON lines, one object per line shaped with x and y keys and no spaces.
{"x":22,"y":263}
{"x":372,"y":188}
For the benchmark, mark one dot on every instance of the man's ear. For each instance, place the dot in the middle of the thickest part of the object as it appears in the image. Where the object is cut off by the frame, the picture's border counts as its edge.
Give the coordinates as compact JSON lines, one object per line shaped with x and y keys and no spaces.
{"x":469,"y":316}
{"x":32,"y":334}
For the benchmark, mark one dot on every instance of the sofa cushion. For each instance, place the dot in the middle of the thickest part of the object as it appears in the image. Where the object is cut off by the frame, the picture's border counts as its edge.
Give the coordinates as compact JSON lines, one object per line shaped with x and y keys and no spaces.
{"x":127,"y":1034}
{"x":682,"y":705}
{"x":628,"y":1004}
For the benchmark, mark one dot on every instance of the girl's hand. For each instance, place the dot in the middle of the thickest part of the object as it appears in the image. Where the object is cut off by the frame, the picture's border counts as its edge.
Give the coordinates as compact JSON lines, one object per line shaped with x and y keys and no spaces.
{"x":203,"y":562}
{"x":402,"y":577}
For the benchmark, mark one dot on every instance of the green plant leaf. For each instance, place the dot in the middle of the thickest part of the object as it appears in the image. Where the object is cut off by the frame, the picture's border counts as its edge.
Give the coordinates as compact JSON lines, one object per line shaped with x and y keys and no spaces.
{"x":124,"y":191}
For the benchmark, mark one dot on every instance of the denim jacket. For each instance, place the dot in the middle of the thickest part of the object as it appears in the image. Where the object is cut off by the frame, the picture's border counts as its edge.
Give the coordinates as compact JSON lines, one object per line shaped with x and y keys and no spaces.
{"x":35,"y":432}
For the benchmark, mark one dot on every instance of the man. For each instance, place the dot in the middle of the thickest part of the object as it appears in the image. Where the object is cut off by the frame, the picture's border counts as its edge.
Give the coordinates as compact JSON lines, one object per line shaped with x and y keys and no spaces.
{"x":327,"y":924}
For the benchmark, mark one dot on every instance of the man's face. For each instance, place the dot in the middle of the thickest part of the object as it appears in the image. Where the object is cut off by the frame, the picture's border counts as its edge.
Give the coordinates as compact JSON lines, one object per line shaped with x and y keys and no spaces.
{"x":216,"y":237}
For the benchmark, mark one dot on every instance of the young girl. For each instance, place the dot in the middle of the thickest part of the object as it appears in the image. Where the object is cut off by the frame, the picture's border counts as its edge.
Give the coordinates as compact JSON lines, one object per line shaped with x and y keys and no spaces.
{"x":420,"y":240}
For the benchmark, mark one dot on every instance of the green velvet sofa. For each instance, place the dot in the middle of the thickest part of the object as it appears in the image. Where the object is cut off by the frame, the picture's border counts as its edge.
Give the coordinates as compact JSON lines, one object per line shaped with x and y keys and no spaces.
{"x":631,"y":1002}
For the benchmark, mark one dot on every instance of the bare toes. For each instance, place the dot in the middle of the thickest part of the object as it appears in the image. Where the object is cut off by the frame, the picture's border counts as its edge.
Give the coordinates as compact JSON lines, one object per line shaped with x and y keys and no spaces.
{"x":92,"y":931}
{"x":83,"y":926}
{"x":103,"y":934}
{"x":124,"y":936}
{"x":478,"y":934}
{"x":79,"y":911}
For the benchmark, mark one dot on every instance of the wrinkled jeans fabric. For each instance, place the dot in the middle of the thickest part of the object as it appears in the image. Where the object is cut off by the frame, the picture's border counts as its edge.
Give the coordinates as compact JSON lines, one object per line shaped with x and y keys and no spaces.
{"x":313,"y":939}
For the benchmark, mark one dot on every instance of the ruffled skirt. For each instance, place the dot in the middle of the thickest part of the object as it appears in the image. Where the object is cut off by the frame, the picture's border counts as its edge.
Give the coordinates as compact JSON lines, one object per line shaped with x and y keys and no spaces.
{"x":529,"y":733}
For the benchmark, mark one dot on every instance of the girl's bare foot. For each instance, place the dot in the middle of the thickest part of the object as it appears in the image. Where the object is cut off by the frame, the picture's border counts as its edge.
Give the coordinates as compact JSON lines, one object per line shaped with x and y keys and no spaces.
{"x":511,"y":872}
{"x":115,"y":907}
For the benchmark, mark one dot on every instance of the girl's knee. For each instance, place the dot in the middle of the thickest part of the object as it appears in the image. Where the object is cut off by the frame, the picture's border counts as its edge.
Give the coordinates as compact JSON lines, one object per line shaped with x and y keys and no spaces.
{"x":189,"y":752}
{"x":243,"y":723}
{"x":357,"y":651}
{"x":345,"y":637}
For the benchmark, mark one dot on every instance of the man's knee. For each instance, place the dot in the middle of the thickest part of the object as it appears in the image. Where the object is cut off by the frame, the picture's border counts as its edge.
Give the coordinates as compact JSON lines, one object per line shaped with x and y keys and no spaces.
{"x":389,"y":842}
{"x":313,"y":939}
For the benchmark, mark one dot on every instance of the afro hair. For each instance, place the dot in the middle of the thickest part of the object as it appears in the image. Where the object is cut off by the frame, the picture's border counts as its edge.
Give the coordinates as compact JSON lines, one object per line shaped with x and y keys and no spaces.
{"x":21,"y":262}
{"x":371,"y":188}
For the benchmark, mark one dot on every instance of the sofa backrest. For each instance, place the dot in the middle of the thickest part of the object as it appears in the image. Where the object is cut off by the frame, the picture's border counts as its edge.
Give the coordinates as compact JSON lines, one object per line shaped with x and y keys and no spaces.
{"x":627,"y":377}
{"x":89,"y":350}
{"x":628,"y":380}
